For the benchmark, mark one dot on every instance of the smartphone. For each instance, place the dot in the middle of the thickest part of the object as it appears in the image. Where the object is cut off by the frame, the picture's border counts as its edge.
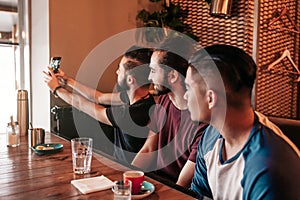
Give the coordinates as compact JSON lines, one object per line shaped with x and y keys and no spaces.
{"x":55,"y":63}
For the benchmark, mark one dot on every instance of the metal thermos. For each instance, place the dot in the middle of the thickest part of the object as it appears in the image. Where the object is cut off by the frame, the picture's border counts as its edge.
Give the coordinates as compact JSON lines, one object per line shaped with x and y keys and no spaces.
{"x":23,"y":112}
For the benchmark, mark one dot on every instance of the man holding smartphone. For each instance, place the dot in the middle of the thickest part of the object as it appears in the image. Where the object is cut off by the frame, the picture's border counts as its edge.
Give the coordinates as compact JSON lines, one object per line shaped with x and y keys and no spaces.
{"x":129,"y":113}
{"x":55,"y":63}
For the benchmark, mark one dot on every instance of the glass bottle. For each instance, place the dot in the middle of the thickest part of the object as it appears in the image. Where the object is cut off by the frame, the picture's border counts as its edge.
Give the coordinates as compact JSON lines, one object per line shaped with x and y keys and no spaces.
{"x":12,"y":135}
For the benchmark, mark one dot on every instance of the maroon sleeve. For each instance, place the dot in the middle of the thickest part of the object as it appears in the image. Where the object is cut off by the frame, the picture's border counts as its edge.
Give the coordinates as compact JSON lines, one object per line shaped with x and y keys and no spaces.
{"x":153,"y":126}
{"x":194,"y":145}
{"x":158,"y":116}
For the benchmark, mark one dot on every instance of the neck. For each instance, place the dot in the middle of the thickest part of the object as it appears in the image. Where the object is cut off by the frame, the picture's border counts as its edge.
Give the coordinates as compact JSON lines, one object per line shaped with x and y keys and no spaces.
{"x":178,"y":100}
{"x":236,"y":130}
{"x":136,"y":94}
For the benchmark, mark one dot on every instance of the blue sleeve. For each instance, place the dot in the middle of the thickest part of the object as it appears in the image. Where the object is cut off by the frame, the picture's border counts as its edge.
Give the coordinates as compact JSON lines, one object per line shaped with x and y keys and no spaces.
{"x":256,"y":178}
{"x":271,"y":168}
{"x":200,"y":183}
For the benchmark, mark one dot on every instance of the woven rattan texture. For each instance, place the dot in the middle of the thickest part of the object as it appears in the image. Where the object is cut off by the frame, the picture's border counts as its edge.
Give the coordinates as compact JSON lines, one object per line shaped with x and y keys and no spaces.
{"x":236,"y":30}
{"x":277,"y":89}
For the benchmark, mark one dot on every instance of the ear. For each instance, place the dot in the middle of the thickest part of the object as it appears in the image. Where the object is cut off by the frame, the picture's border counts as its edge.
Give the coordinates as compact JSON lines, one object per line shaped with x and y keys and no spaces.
{"x":173,"y":76}
{"x":130,"y":79}
{"x":212,"y":98}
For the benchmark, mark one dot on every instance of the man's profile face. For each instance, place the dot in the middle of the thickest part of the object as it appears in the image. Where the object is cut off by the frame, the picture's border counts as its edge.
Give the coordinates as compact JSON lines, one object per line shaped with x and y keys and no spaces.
{"x":157,"y":74}
{"x":121,"y":72}
{"x":196,"y":97}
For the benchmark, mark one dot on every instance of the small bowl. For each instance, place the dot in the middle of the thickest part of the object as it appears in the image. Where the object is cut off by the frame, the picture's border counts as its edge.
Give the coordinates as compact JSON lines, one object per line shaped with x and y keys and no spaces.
{"x":47,"y":148}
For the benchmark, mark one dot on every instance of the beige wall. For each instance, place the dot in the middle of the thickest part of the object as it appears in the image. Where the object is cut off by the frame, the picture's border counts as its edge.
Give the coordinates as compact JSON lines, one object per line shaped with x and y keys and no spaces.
{"x":77,"y":26}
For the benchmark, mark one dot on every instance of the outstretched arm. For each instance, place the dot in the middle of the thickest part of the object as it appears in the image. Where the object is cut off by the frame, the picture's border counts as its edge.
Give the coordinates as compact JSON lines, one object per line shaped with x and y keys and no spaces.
{"x":90,"y":93}
{"x":94,"y":110}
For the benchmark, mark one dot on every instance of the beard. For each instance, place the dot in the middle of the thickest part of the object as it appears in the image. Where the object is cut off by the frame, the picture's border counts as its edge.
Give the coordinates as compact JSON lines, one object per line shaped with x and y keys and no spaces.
{"x":121,"y":86}
{"x":160,"y":90}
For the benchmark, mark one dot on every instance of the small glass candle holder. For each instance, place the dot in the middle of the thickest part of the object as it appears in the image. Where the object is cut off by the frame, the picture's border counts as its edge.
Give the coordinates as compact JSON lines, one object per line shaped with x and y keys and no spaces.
{"x":12,"y":135}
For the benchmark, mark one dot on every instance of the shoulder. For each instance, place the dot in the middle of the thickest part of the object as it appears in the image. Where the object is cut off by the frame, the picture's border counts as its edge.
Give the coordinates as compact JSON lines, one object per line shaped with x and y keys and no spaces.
{"x":163,"y":104}
{"x":149,"y":98}
{"x":146,"y":101}
{"x":163,"y":99}
{"x":209,"y":139}
{"x":267,"y":155}
{"x":267,"y":142}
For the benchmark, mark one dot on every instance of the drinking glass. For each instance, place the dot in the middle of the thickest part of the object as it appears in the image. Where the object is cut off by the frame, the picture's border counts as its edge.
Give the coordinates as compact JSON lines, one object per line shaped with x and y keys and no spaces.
{"x":82,"y":149}
{"x":122,"y":190}
{"x":13,"y":135}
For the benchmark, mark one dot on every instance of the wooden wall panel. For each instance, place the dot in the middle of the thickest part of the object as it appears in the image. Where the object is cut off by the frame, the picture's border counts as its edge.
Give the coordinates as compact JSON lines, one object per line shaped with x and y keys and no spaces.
{"x":277,"y":92}
{"x":277,"y":89}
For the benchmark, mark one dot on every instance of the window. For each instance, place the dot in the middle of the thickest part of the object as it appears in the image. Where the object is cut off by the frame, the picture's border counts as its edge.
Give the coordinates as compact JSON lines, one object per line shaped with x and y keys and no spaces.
{"x":8,"y":105}
{"x":11,"y":63}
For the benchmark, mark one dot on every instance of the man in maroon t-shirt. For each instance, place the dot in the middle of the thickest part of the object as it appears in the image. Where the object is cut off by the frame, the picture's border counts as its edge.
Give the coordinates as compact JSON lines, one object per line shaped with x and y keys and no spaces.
{"x":171,"y":147}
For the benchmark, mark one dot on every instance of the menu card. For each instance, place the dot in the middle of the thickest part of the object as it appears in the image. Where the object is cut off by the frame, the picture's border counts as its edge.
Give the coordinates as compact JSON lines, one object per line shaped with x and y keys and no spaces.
{"x":94,"y":184}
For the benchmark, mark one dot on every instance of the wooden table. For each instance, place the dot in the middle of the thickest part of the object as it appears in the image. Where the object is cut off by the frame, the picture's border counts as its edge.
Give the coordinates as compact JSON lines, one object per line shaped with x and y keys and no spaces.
{"x":26,"y":175}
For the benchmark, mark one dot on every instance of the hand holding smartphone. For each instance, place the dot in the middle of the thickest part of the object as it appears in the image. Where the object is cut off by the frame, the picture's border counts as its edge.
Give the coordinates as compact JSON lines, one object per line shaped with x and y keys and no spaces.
{"x":55,"y":63}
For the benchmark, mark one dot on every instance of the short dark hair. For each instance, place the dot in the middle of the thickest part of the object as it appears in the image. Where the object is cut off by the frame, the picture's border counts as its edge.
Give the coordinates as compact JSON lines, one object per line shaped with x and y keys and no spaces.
{"x":177,"y":50}
{"x":236,"y":67}
{"x":139,"y":57}
{"x":141,"y":54}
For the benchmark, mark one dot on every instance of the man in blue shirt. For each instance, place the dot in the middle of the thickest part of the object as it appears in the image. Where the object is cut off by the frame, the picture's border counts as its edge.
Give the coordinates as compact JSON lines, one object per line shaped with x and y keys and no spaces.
{"x":242,"y":155}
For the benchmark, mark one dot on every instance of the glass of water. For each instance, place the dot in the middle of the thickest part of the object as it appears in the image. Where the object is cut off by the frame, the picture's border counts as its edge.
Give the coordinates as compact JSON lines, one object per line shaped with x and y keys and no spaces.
{"x":122,"y":190}
{"x":82,"y":149}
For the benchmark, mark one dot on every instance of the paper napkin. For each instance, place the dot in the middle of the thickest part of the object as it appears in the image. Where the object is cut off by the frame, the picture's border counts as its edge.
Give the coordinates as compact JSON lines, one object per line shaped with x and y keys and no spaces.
{"x":94,"y":184}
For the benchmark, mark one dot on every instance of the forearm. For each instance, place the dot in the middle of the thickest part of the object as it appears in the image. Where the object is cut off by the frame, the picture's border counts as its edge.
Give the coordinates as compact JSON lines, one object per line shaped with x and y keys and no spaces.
{"x":186,"y":175}
{"x":98,"y":112}
{"x":93,"y":94}
{"x":83,"y":90}
{"x":146,"y":158}
{"x":81,"y":103}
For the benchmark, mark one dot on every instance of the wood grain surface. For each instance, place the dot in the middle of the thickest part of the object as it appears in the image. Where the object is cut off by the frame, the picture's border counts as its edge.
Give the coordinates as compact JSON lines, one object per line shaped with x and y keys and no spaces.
{"x":26,"y":175}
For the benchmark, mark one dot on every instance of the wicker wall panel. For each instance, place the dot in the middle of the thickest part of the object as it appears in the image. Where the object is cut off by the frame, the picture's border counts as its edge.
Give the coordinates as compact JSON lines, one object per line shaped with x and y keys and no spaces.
{"x":236,"y":31}
{"x":277,"y":89}
{"x":297,"y":49}
{"x":277,"y":92}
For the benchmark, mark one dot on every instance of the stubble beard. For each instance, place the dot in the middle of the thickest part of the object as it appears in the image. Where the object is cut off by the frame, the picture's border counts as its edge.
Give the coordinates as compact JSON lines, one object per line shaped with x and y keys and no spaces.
{"x":160,"y":89}
{"x":122,"y":86}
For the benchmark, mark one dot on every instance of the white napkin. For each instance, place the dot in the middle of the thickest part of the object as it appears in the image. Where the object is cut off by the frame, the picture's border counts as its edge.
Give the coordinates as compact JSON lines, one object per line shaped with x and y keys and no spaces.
{"x":88,"y":185}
